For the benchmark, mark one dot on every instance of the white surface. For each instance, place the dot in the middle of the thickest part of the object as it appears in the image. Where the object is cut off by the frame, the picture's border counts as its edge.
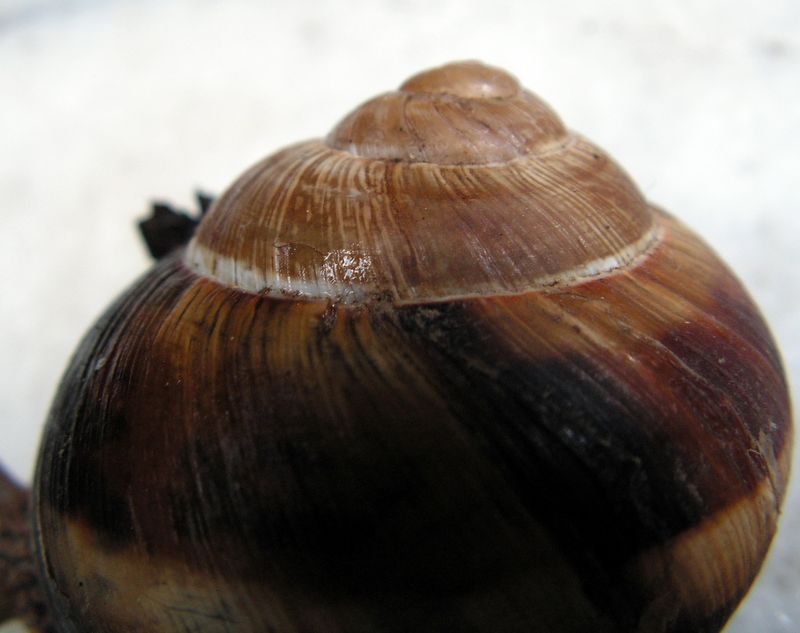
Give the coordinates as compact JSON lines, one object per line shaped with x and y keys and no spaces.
{"x":106,"y":104}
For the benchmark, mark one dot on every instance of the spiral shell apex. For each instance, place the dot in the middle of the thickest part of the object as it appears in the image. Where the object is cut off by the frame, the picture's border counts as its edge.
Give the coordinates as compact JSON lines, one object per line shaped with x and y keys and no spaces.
{"x":444,"y":370}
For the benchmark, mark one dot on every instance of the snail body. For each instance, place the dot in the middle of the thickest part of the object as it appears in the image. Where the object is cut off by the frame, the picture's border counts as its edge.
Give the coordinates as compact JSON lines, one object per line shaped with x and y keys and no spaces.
{"x":444,"y":370}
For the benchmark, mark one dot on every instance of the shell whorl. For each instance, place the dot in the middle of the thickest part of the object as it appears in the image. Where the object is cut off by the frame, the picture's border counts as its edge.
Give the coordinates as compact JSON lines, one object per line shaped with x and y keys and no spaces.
{"x":458,"y":184}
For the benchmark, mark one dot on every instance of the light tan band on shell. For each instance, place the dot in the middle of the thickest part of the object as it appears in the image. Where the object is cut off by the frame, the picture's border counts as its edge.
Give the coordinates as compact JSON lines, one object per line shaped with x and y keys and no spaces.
{"x":710,"y":567}
{"x":346,"y":275}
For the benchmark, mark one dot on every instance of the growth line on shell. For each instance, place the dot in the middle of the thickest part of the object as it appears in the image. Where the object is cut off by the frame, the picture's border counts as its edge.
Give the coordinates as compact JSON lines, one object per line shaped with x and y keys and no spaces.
{"x":359,"y":284}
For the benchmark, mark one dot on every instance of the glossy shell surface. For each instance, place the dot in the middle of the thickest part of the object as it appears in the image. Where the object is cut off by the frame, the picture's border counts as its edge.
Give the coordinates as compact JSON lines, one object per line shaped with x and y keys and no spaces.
{"x":445,"y":370}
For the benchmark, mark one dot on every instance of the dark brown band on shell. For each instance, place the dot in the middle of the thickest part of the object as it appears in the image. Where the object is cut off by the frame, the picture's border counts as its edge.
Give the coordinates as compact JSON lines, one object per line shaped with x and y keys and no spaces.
{"x":335,"y":452}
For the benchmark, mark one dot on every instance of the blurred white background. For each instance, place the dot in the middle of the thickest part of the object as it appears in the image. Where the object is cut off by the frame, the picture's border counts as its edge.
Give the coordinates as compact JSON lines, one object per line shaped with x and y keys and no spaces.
{"x":107,"y":105}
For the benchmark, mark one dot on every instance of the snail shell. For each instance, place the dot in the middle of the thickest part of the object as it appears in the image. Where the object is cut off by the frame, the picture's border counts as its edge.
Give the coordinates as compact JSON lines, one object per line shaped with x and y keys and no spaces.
{"x":444,"y":370}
